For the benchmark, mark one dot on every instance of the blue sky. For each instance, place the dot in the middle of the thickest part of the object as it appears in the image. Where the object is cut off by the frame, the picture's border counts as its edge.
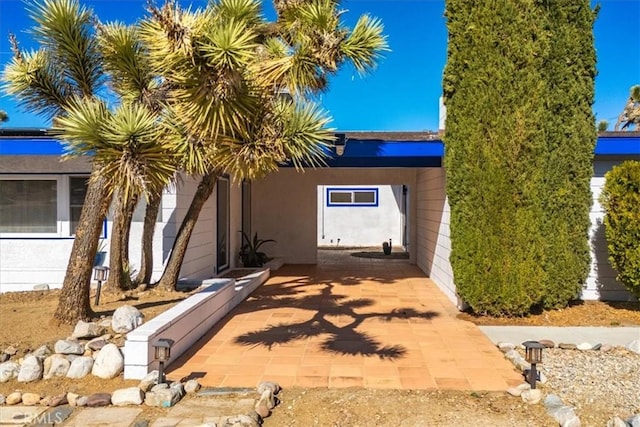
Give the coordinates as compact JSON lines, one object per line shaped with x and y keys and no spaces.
{"x":402,"y":93}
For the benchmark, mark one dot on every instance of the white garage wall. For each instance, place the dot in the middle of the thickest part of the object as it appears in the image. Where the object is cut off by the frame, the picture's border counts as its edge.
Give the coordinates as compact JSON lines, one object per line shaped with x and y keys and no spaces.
{"x":361,"y":225}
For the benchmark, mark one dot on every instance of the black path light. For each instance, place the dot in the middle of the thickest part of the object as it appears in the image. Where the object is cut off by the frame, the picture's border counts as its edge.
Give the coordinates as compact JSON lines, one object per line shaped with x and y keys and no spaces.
{"x":162,"y":349}
{"x":100,"y":275}
{"x":533,"y":355}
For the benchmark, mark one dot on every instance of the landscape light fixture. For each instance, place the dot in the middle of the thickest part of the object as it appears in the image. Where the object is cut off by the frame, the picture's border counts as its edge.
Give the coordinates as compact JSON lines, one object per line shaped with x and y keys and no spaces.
{"x":162,"y":349}
{"x":533,"y":355}
{"x":100,"y":275}
{"x":340,"y":143}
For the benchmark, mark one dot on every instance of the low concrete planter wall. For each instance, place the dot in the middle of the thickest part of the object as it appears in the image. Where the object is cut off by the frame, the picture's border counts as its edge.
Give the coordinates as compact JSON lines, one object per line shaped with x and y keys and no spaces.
{"x":186,"y":322}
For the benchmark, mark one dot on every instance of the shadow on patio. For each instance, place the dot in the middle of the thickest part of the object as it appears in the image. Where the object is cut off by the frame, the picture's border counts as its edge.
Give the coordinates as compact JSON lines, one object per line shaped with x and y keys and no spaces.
{"x":377,"y":325}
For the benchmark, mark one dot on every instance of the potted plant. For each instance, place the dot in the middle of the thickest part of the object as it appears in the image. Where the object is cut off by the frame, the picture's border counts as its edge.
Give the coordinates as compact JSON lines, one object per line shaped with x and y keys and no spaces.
{"x":101,"y":253}
{"x":250,"y":253}
{"x":386,"y":247}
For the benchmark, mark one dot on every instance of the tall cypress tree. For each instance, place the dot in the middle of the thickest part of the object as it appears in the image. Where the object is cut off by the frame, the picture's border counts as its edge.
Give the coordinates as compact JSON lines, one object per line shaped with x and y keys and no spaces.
{"x":571,"y":135}
{"x":494,"y":87}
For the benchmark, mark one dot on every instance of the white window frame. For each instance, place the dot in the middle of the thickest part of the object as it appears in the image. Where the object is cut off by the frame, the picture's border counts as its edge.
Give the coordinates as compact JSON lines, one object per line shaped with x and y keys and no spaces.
{"x":352,"y":191}
{"x":63,"y":208}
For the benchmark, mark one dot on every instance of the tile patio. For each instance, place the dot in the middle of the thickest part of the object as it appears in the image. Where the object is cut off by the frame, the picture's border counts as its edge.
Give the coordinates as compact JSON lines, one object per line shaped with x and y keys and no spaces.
{"x":347,"y":322}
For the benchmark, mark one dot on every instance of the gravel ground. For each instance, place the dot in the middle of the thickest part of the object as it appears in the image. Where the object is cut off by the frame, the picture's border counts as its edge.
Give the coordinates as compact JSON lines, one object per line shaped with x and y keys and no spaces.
{"x":594,"y":381}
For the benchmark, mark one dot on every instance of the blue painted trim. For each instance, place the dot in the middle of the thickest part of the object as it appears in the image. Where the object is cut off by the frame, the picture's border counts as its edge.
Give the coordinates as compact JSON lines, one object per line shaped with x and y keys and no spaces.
{"x":618,"y":146}
{"x":357,"y":153}
{"x":30,"y":147}
{"x":352,"y":204}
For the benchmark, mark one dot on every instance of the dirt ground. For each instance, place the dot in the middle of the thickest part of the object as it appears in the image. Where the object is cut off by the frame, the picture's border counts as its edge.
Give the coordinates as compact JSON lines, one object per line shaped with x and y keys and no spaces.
{"x":25,"y":324}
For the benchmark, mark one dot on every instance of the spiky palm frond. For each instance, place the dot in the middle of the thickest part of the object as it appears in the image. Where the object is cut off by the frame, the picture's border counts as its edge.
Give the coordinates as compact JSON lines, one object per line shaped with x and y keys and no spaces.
{"x":126,"y":61}
{"x":65,"y":29}
{"x":281,"y":132}
{"x":127,"y":145}
{"x":365,"y":44}
{"x":247,"y":11}
{"x":37,"y":82}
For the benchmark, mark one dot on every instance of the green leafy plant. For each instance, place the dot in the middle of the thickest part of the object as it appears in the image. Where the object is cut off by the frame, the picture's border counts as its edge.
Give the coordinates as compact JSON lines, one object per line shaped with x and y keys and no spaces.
{"x":620,"y":199}
{"x":250,"y":251}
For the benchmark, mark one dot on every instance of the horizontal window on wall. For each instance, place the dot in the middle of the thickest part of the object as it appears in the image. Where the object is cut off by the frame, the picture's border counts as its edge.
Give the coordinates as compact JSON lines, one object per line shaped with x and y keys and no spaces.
{"x":28,"y":206}
{"x":352,"y":197}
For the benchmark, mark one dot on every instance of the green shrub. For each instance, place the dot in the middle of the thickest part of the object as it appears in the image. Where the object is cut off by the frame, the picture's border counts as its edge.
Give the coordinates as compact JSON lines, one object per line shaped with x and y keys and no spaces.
{"x":620,"y":199}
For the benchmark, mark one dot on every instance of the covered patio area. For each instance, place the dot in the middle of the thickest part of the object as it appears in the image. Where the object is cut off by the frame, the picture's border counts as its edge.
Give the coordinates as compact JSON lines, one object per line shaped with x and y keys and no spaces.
{"x":347,"y":322}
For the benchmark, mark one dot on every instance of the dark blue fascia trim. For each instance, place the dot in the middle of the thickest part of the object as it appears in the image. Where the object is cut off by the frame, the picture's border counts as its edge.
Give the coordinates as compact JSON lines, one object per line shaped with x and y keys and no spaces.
{"x":618,"y":146}
{"x":358,"y":153}
{"x":30,"y":147}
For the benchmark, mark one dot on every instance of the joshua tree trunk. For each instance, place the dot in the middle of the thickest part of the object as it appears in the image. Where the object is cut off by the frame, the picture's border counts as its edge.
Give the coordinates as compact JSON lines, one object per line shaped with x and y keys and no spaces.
{"x":150,"y":218}
{"x":119,"y":273}
{"x":171,"y":273}
{"x":73,"y":304}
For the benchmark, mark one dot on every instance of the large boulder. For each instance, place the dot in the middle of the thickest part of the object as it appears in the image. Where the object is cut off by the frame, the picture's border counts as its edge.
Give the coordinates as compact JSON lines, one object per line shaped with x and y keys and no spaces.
{"x":109,"y":362}
{"x":126,"y":319}
{"x":31,"y":370}
{"x":87,"y":330}
{"x":80,"y":367}
{"x":127,"y":396}
{"x":69,"y":347}
{"x":56,"y":366}
{"x":8,"y":371}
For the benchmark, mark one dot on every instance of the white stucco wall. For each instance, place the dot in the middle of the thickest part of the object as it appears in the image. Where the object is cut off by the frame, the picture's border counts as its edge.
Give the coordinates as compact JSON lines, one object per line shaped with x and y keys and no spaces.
{"x":433,"y":237}
{"x":284,"y":206}
{"x":361,"y":225}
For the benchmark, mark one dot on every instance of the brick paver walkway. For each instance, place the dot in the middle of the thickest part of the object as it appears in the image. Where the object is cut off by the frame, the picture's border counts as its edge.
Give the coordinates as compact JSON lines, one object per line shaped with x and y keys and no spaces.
{"x":366,"y":323}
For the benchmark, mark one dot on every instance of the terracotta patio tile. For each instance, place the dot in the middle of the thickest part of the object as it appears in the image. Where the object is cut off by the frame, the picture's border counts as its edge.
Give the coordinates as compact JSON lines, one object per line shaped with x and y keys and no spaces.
{"x":321,"y":381}
{"x":346,"y":371}
{"x":378,"y":382}
{"x":241,"y":380}
{"x":418,"y":383}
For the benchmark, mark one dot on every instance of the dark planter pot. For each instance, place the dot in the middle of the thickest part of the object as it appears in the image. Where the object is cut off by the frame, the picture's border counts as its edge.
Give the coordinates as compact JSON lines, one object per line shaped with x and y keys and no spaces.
{"x":386,"y":249}
{"x":99,"y":259}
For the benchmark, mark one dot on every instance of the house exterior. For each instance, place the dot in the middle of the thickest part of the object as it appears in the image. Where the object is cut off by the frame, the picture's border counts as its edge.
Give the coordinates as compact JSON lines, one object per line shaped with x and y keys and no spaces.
{"x":400,"y":169}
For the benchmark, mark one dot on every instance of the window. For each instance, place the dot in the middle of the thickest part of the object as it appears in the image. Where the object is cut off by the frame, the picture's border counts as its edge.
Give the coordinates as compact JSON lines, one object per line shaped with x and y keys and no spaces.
{"x":352,"y":197}
{"x":77,"y":193}
{"x":222,"y":226}
{"x":28,"y":206}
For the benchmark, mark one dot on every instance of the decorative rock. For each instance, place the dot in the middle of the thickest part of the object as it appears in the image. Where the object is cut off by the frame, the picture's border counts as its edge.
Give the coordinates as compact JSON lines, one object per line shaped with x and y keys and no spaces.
{"x":547,"y":343}
{"x":552,"y":402}
{"x":80,"y":367}
{"x":41,"y":287}
{"x":617,"y":422}
{"x":634,"y":346}
{"x":42,"y":352}
{"x":506,"y":346}
{"x":109,"y":362}
{"x":161,"y":386}
{"x":11,"y":350}
{"x":55,"y":366}
{"x":597,"y":347}
{"x":567,"y":346}
{"x":69,"y":347}
{"x":53,"y":401}
{"x":634,"y":421}
{"x":148,"y":381}
{"x":163,"y":398}
{"x":82,"y":401}
{"x":584,"y":346}
{"x":262,"y":408}
{"x":4,"y":357}
{"x":517,"y":391}
{"x":96,"y":344}
{"x":30,"y":399}
{"x":532,"y":396}
{"x":14,"y":398}
{"x":98,"y":399}
{"x":606,"y":347}
{"x":31,"y":370}
{"x":573,"y":422}
{"x":8,"y":371}
{"x":2,"y":399}
{"x":72,"y":398}
{"x":563,"y":415}
{"x":87,"y":330}
{"x":127,"y":396}
{"x":267,"y":395}
{"x":126,"y":319}
{"x":191,"y":386}
{"x":269,"y":385}
{"x":241,"y":421}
